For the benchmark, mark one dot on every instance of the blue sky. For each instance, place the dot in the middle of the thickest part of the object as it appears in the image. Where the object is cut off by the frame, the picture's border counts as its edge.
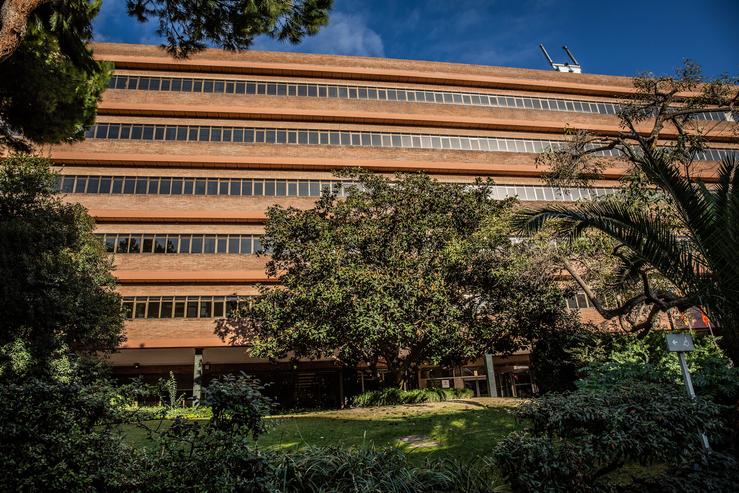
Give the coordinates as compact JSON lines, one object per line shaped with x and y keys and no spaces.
{"x":623,"y":37}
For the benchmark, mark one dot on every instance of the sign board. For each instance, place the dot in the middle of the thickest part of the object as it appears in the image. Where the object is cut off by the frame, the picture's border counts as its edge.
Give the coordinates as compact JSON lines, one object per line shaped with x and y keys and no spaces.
{"x":445,"y":384}
{"x":680,"y":343}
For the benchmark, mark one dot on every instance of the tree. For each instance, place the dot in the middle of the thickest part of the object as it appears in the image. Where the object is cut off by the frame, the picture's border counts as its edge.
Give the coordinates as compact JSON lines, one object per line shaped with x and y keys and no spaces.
{"x":675,"y":246}
{"x":50,"y":84}
{"x":399,"y":273}
{"x":57,"y":292}
{"x":188,"y":25}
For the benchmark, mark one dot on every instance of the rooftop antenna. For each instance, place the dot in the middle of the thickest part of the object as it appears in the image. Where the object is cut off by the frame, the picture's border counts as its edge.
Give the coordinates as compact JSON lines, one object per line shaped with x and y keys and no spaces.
{"x":573,"y":67}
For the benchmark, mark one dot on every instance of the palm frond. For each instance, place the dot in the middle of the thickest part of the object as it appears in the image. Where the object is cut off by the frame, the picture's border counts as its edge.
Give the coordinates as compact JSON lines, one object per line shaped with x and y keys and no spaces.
{"x":651,"y":239}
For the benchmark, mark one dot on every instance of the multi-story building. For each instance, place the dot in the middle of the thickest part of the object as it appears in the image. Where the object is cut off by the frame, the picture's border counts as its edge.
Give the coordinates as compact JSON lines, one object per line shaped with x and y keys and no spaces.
{"x":187,"y":155}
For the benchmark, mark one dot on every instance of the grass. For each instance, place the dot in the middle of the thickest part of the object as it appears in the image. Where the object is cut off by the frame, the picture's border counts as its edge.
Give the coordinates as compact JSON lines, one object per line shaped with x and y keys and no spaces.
{"x":462,"y":430}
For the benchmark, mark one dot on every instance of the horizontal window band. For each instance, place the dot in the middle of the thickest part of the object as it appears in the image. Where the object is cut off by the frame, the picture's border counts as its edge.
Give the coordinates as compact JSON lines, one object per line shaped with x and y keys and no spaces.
{"x":311,"y":137}
{"x":154,"y":185}
{"x":154,"y":307}
{"x":370,"y":93}
{"x":211,"y":307}
{"x":181,"y":243}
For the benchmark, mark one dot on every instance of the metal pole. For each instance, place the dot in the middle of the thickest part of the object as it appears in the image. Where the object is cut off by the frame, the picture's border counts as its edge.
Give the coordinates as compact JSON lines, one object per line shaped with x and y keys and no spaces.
{"x":691,"y":393}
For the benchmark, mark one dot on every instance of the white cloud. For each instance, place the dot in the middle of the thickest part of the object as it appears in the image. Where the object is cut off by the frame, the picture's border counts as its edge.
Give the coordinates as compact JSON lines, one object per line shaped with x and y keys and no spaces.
{"x":346,"y":34}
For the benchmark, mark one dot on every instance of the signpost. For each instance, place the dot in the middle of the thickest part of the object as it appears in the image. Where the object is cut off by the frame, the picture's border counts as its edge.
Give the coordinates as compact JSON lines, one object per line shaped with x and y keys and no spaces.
{"x":681,"y":344}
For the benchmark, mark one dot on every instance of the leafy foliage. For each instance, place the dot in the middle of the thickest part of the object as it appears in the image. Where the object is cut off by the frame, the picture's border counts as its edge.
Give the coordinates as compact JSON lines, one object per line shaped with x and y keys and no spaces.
{"x":674,"y":238}
{"x":57,"y":435}
{"x":58,"y":291}
{"x":393,"y":396}
{"x":697,"y":258}
{"x":317,"y":469}
{"x":624,"y":358}
{"x":557,"y":356}
{"x":399,"y":273}
{"x":717,"y":475}
{"x":189,"y":25}
{"x":216,"y":456}
{"x":50,"y":86}
{"x":577,"y":440}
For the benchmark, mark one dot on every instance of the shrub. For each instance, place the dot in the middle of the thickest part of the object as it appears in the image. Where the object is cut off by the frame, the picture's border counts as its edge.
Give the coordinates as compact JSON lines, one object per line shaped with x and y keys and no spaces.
{"x":317,"y":469}
{"x":146,"y":413}
{"x":718,"y":474}
{"x":576,"y":440}
{"x":58,"y":436}
{"x":393,"y":396}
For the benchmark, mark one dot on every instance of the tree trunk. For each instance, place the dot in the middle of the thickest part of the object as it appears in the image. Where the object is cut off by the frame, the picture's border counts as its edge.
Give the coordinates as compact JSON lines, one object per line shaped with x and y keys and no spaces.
{"x":14,"y":16}
{"x":402,"y":376}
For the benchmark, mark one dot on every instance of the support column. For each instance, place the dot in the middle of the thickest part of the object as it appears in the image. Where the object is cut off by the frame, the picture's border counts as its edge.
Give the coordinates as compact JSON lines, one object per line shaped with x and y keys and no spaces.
{"x":197,"y":376}
{"x":490,"y":371}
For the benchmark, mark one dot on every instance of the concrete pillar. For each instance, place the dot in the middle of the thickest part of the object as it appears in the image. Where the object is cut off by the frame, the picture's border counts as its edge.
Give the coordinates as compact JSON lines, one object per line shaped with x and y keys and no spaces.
{"x":490,"y":371}
{"x":197,"y":376}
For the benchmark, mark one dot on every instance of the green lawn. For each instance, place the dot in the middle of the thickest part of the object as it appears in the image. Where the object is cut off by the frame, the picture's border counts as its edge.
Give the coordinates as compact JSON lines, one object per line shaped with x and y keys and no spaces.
{"x":461,"y":430}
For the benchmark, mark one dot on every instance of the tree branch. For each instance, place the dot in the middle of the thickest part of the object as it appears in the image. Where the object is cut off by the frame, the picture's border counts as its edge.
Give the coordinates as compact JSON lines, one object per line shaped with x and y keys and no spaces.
{"x":14,"y":15}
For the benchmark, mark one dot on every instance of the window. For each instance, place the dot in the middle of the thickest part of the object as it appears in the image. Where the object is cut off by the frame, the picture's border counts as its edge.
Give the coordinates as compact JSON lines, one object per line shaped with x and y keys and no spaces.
{"x":209,"y":245}
{"x":172,"y":244}
{"x":233,"y":244}
{"x":196,"y":244}
{"x":160,"y":244}
{"x":192,"y":308}
{"x":185,"y":244}
{"x":179,"y":308}
{"x":148,"y":244}
{"x":140,"y":308}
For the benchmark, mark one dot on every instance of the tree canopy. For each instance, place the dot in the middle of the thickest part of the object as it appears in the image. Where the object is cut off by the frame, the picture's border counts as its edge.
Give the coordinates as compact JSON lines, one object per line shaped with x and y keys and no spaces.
{"x":190,"y":25}
{"x":57,"y":292}
{"x":399,"y":273}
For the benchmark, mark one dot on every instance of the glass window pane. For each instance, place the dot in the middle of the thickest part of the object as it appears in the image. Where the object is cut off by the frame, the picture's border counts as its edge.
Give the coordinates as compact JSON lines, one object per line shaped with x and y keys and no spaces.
{"x":206,"y":308}
{"x":110,"y":242}
{"x":165,"y":185}
{"x":185,"y":243}
{"x":172,"y":243}
{"x":179,"y":309}
{"x":196,"y":244}
{"x":209,"y":246}
{"x":140,"y":308}
{"x":233,"y":244}
{"x":160,"y":244}
{"x":246,"y":245}
{"x":218,"y":307}
{"x":153,"y":310}
{"x":221,"y":244}
{"x":122,"y":244}
{"x":166,"y":309}
{"x":192,"y":309}
{"x":134,"y":245}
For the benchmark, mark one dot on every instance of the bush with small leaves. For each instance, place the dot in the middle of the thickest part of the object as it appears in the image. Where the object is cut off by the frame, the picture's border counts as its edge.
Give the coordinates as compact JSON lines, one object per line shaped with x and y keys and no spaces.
{"x":393,"y":396}
{"x":58,"y":436}
{"x":577,"y":441}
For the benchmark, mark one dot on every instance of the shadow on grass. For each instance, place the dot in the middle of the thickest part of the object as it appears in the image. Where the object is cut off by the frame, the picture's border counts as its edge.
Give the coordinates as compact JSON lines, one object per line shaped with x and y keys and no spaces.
{"x":455,"y":434}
